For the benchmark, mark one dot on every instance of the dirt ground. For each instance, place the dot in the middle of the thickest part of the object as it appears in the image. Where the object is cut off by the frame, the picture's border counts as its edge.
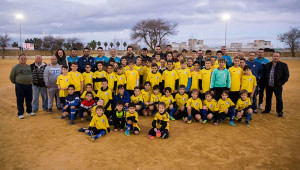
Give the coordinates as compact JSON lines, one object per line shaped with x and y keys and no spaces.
{"x":46,"y":142}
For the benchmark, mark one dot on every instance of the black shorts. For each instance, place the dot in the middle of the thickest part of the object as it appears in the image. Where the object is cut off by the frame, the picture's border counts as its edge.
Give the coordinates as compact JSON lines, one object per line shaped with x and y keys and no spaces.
{"x":95,"y":130}
{"x":82,"y":110}
{"x":108,"y":114}
{"x":164,"y":133}
{"x":234,"y":96}
{"x":195,"y":112}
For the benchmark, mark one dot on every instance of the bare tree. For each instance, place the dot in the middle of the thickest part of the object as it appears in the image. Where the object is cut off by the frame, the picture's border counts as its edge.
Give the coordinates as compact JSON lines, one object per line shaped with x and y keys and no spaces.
{"x":291,"y":38}
{"x":153,"y":31}
{"x":53,"y":43}
{"x":4,"y":41}
{"x":75,"y":43}
{"x":67,"y":46}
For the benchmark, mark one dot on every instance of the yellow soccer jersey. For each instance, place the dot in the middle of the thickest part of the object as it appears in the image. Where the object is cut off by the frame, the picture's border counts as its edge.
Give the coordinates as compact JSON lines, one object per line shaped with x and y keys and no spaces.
{"x":155,"y":98}
{"x":181,"y":100}
{"x":191,"y":68}
{"x":216,"y":65}
{"x":138,"y":68}
{"x":121,"y":79}
{"x":170,"y":78}
{"x":162,"y":117}
{"x":99,"y":74}
{"x":168,"y":100}
{"x":84,"y":93}
{"x":154,"y":79}
{"x":184,"y":75}
{"x":196,"y":104}
{"x":106,"y":96}
{"x":224,"y":104}
{"x":126,"y":68}
{"x":145,"y":71}
{"x":242,"y":104}
{"x":205,"y":76}
{"x":77,"y":79}
{"x":131,"y":77}
{"x":111,"y":78}
{"x":87,"y":78}
{"x":195,"y":80}
{"x":236,"y":75}
{"x":248,"y":83}
{"x":146,"y":95}
{"x":212,"y":105}
{"x":64,"y":82}
{"x":99,"y":122}
{"x":177,"y":65}
{"x":134,"y":114}
{"x":93,"y":111}
{"x":136,"y":99}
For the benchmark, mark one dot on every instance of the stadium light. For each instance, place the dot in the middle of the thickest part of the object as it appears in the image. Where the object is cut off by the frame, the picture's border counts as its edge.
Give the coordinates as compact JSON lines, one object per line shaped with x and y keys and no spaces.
{"x":226,"y":17}
{"x":20,"y":17}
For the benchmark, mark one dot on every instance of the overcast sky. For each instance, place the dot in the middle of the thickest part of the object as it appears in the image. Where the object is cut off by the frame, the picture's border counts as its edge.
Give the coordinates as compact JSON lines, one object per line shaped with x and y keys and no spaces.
{"x":106,"y":20}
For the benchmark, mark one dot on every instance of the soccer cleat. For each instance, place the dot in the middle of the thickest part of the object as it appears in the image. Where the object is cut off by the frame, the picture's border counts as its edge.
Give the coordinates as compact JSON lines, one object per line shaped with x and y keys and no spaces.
{"x":158,"y":133}
{"x":172,"y":118}
{"x":189,"y":121}
{"x":127,"y":133}
{"x":151,"y":137}
{"x":255,"y":111}
{"x":81,"y":130}
{"x":92,"y":138}
{"x":231,"y":123}
{"x":204,"y":121}
{"x":62,"y":117}
{"x":280,"y":114}
{"x":21,"y":117}
{"x":247,"y":123}
{"x":260,"y":107}
{"x":31,"y":114}
{"x":71,"y":122}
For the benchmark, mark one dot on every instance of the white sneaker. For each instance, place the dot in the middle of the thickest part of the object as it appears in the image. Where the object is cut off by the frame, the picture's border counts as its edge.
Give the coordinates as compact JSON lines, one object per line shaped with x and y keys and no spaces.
{"x":260,"y":107}
{"x":31,"y":114}
{"x":21,"y":117}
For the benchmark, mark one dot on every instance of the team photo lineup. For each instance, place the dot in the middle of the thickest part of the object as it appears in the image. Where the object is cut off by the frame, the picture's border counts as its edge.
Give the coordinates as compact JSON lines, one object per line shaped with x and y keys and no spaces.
{"x":115,"y":92}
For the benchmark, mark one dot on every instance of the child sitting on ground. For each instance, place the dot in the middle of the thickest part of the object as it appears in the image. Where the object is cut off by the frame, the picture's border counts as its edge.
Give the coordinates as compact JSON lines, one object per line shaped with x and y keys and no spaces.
{"x":210,"y":108}
{"x":119,"y":116}
{"x":71,"y":103}
{"x":244,"y":107}
{"x":132,"y":120}
{"x":226,"y":108}
{"x":86,"y":106}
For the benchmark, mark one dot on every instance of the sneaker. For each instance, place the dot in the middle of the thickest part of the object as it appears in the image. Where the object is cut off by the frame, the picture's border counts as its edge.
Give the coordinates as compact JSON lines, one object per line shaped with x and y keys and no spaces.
{"x":127,"y":133}
{"x":92,"y":139}
{"x":81,"y":130}
{"x":247,"y":123}
{"x":21,"y":116}
{"x":151,"y":137}
{"x":231,"y":123}
{"x":280,"y":114}
{"x":204,"y":121}
{"x":189,"y":121}
{"x":71,"y":122}
{"x":172,"y":118}
{"x":255,"y":111}
{"x":49,"y":110}
{"x":260,"y":107}
{"x":31,"y":114}
{"x":158,"y":133}
{"x":62,"y":117}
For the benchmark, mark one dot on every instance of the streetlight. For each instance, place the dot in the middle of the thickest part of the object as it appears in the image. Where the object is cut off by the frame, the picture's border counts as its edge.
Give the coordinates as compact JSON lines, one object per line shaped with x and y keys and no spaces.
{"x":226,"y":17}
{"x":20,"y":17}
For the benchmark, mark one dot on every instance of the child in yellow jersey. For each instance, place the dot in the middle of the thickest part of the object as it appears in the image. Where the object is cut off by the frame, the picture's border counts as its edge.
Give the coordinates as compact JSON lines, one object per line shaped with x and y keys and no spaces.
{"x":132,"y":120}
{"x":170,"y":78}
{"x":132,"y":77}
{"x":204,"y":78}
{"x":146,"y":93}
{"x":98,"y":75}
{"x":169,"y":101}
{"x":154,"y":99}
{"x":194,"y":107}
{"x":111,"y":78}
{"x":210,"y":108}
{"x":154,"y":77}
{"x":177,"y":65}
{"x":124,"y":64}
{"x":189,"y":62}
{"x":137,"y":99}
{"x":181,"y":99}
{"x":87,"y":75}
{"x":213,"y":63}
{"x":236,"y":75}
{"x":99,"y":125}
{"x":106,"y":94}
{"x":195,"y":74}
{"x":184,"y":75}
{"x":146,"y":70}
{"x":121,"y":79}
{"x":160,"y":123}
{"x":248,"y":81}
{"x":63,"y":81}
{"x":89,"y":88}
{"x":226,"y":108}
{"x":244,"y":107}
{"x":138,"y":66}
{"x":77,"y":78}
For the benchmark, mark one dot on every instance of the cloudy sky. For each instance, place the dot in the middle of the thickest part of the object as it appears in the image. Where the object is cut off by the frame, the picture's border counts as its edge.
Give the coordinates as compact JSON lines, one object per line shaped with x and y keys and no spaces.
{"x":106,"y":20}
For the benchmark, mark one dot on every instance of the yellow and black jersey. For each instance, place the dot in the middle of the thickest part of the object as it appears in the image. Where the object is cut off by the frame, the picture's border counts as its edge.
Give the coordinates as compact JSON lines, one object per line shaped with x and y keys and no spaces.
{"x":138,"y":68}
{"x":242,"y":104}
{"x":64,"y":82}
{"x":135,"y":116}
{"x":159,"y":118}
{"x":106,"y":96}
{"x":169,"y":78}
{"x":155,"y":98}
{"x":121,"y":79}
{"x":98,"y":75}
{"x":125,"y":68}
{"x":195,"y":80}
{"x":168,"y":100}
{"x":224,"y":104}
{"x":144,"y":72}
{"x":184,"y":75}
{"x":77,"y":79}
{"x":100,"y":122}
{"x":136,"y":99}
{"x":84,"y":94}
{"x":195,"y":103}
{"x":205,"y":76}
{"x":87,"y":78}
{"x":131,"y":77}
{"x":212,"y":105}
{"x":146,"y":95}
{"x":154,"y":79}
{"x":248,"y":83}
{"x":236,"y":75}
{"x":111,"y":78}
{"x":181,"y":100}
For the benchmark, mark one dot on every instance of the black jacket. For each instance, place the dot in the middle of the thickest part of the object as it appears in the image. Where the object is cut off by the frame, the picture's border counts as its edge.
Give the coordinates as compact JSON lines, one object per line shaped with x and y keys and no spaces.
{"x":281,"y":74}
{"x":38,"y":74}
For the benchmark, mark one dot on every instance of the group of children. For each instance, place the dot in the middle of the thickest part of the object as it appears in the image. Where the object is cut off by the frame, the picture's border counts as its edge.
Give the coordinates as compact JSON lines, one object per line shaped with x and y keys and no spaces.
{"x":112,"y":95}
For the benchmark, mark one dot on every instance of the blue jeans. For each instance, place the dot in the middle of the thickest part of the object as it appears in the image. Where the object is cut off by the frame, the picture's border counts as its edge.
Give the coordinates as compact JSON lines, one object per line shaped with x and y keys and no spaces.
{"x":36,"y":90}
{"x":23,"y":92}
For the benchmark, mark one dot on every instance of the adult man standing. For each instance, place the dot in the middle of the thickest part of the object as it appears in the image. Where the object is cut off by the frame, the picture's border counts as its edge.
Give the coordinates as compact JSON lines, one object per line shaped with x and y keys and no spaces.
{"x":50,"y":76}
{"x":144,"y":54}
{"x":158,"y":51}
{"x":73,"y":57}
{"x":240,"y":54}
{"x":101,"y":56}
{"x":21,"y":76}
{"x":226,"y":57}
{"x":38,"y":84}
{"x":113,"y":54}
{"x":257,"y":71}
{"x":276,"y":74}
{"x":86,"y":58}
{"x":130,"y":54}
{"x":261,"y":59}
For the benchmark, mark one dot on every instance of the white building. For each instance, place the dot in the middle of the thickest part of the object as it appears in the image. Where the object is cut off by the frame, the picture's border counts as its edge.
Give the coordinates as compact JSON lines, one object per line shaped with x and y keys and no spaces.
{"x":251,"y":46}
{"x":193,"y":44}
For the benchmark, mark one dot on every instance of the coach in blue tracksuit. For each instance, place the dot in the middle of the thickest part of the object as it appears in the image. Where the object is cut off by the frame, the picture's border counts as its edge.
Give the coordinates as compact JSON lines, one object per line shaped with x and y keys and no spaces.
{"x":257,"y":71}
{"x":73,"y":57}
{"x":86,"y":58}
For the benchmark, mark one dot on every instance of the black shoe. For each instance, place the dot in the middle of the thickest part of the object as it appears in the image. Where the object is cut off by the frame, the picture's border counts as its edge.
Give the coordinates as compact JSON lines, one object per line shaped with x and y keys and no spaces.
{"x":50,"y":110}
{"x":264,"y":112}
{"x":280,"y":114}
{"x":81,"y":130}
{"x":255,"y":111}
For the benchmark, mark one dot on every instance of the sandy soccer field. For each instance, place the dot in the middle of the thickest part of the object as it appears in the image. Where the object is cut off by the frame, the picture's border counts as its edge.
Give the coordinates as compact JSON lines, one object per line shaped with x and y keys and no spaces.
{"x":47,"y":142}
